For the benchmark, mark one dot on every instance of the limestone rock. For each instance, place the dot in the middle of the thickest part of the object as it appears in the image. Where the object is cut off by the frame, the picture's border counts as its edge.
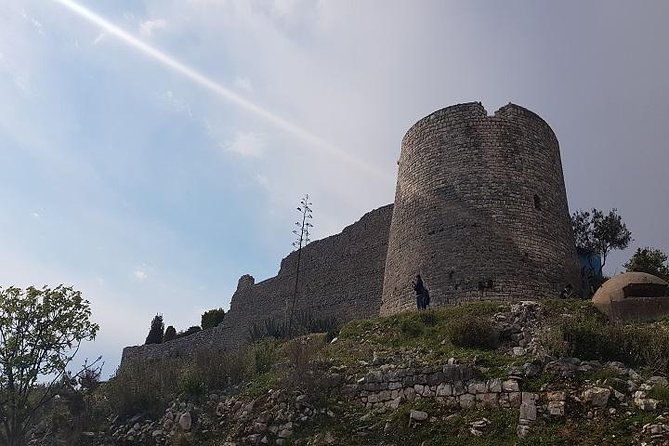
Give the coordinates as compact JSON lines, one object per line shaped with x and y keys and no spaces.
{"x":528,"y":412}
{"x":597,"y":396}
{"x":417,"y":415}
{"x":185,"y":421}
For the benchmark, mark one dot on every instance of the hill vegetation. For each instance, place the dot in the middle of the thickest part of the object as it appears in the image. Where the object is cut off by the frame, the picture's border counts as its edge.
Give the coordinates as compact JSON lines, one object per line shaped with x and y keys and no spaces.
{"x":549,"y":373}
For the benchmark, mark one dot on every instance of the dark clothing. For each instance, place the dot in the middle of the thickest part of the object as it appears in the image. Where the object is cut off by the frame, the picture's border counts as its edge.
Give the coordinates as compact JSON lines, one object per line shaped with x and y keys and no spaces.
{"x":422,"y":294}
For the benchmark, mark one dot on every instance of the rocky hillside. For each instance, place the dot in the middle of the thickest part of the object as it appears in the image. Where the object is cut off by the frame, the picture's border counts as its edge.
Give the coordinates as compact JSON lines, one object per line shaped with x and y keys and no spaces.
{"x":485,"y":373}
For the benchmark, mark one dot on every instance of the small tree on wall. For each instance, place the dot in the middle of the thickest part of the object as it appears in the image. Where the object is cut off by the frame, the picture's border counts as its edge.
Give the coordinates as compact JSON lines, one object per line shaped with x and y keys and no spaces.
{"x":211,"y":318}
{"x":302,"y":234}
{"x":170,"y":334}
{"x":157,"y":330}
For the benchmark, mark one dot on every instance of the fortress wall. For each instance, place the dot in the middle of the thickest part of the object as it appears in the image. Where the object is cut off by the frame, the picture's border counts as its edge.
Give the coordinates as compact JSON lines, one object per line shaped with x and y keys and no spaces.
{"x":341,"y":277}
{"x":177,"y":348}
{"x":480,"y":210}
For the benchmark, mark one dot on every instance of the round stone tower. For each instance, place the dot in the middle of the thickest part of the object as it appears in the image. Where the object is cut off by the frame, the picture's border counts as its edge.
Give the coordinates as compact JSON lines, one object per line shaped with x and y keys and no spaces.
{"x":480,"y":210}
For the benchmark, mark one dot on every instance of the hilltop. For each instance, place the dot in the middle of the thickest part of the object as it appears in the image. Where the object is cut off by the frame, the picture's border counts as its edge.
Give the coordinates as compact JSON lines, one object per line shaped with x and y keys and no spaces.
{"x":483,"y":373}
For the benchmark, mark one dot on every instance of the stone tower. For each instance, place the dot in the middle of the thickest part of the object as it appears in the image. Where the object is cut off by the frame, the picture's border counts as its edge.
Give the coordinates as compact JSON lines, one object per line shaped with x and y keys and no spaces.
{"x":480,"y":210}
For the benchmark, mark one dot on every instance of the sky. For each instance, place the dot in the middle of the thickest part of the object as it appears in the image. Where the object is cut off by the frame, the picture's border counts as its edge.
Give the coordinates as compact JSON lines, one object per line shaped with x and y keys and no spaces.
{"x":153,"y":151}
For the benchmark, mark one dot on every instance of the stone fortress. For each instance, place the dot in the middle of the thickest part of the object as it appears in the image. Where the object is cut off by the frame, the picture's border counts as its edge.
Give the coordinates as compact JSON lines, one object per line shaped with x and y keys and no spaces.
{"x":480,"y":212}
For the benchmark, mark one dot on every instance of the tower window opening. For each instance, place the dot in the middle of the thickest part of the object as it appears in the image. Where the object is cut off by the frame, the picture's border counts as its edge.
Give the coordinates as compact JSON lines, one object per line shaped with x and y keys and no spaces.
{"x":537,"y":202}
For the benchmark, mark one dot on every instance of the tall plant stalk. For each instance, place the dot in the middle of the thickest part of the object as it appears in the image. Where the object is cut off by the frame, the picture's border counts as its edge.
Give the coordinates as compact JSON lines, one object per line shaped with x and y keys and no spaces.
{"x":302,"y":233}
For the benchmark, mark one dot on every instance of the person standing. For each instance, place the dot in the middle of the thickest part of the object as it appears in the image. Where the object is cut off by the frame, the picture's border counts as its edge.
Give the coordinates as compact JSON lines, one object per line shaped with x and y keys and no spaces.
{"x":422,"y":293}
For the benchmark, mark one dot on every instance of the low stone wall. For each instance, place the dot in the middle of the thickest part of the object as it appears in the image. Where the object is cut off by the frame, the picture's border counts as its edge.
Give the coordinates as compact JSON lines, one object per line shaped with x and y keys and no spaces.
{"x":458,"y":387}
{"x":453,"y":384}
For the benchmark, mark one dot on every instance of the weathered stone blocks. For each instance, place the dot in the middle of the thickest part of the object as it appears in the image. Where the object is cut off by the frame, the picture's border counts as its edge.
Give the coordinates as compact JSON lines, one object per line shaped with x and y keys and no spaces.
{"x":480,"y":210}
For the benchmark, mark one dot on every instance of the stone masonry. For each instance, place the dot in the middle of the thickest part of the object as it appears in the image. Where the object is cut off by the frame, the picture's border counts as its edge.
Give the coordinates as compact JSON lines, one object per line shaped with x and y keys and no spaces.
{"x":480,"y":210}
{"x":341,"y":277}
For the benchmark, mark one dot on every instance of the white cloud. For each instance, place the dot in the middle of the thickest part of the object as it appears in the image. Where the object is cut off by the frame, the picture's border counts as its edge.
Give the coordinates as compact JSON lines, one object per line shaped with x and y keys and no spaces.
{"x":34,"y":22}
{"x":244,"y":83}
{"x":177,"y":104}
{"x":247,"y":145}
{"x":140,"y":274}
{"x":147,"y":27}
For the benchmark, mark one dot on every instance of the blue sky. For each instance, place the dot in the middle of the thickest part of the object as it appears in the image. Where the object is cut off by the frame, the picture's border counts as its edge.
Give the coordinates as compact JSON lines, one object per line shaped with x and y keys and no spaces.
{"x":153,"y":193}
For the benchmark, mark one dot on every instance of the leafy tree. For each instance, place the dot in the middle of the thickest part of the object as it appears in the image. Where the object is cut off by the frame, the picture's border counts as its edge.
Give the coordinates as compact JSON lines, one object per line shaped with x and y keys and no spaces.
{"x":156,"y":331}
{"x":170,"y":333}
{"x":599,"y":233}
{"x":649,"y":260}
{"x":41,"y":331}
{"x":212,"y":318}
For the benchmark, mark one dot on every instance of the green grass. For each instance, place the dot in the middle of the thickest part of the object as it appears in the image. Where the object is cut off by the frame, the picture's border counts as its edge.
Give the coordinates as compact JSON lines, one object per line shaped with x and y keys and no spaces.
{"x":427,"y":332}
{"x":661,"y":394}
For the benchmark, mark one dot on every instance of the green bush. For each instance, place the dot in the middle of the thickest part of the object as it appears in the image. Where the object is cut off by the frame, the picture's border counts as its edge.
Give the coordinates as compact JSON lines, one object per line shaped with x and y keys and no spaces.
{"x":302,"y":367}
{"x":411,"y":327}
{"x":304,"y":323}
{"x":661,"y":394}
{"x":592,"y":336}
{"x":211,"y":318}
{"x":269,"y":328}
{"x":191,"y":384}
{"x":264,"y":355}
{"x":429,"y":317}
{"x":218,"y":370}
{"x":473,"y":332}
{"x":142,"y":388}
{"x":170,"y":334}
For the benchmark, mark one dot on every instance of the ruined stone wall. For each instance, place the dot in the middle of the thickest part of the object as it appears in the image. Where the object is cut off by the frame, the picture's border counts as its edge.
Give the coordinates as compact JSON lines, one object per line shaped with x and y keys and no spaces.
{"x":178,"y":348}
{"x":480,"y":210}
{"x":340,"y":277}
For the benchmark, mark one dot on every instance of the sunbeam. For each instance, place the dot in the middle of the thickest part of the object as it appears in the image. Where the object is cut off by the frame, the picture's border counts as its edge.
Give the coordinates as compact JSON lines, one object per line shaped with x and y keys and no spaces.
{"x":202,"y":80}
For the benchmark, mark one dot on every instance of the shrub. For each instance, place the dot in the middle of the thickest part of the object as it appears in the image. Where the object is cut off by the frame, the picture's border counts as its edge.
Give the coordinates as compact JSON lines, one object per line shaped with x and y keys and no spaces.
{"x":473,"y":332}
{"x":429,"y":317}
{"x":307,"y":322}
{"x":661,"y":394}
{"x":156,"y":331}
{"x":592,"y":336}
{"x":302,"y":369}
{"x":142,"y":388}
{"x":269,"y":328}
{"x":218,"y":370}
{"x":264,"y":355}
{"x":411,"y":327}
{"x":212,"y":318}
{"x":304,"y":322}
{"x":170,"y":334}
{"x":191,"y":384}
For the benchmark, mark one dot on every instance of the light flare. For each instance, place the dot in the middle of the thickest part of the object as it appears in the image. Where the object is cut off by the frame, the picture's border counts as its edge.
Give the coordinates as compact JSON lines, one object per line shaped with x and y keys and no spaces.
{"x":211,"y":85}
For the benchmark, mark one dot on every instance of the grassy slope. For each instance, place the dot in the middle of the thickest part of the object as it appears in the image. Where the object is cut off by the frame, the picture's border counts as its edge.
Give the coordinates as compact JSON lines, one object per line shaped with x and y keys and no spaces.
{"x":415,"y":338}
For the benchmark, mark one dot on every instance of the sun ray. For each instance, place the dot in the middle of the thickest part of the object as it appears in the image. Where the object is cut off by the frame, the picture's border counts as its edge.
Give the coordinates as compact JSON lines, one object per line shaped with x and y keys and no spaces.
{"x":170,"y":62}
